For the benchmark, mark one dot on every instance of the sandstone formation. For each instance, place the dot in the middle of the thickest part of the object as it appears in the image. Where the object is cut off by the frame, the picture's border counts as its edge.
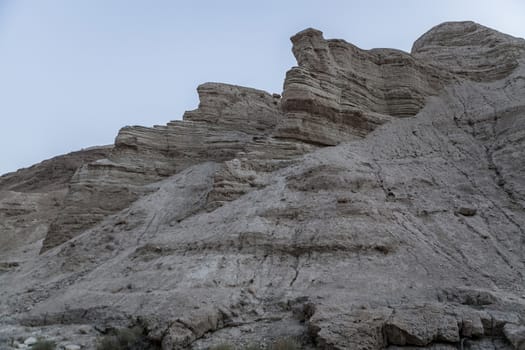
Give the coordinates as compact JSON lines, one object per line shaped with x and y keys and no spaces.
{"x":340,"y":92}
{"x":31,"y":198}
{"x":230,"y":121}
{"x":379,"y":204}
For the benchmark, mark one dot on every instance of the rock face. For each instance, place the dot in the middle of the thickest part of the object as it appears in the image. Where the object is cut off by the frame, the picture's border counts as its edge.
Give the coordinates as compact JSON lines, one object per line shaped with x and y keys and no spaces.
{"x":469,"y":50}
{"x":31,"y":198}
{"x":379,"y":204}
{"x":341,"y":93}
{"x":231,"y":121}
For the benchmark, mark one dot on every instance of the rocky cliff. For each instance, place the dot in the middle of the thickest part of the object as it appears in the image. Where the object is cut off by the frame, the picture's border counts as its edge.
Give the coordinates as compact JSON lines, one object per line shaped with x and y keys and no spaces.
{"x":377,"y":204}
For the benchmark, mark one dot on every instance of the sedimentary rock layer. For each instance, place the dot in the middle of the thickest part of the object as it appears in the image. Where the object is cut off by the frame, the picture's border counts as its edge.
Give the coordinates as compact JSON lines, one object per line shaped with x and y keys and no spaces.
{"x":379,"y":204}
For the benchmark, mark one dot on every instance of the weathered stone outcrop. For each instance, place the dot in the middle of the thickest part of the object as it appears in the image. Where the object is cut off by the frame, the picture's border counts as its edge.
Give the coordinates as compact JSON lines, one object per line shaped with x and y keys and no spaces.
{"x":340,"y":92}
{"x":231,"y":121}
{"x":51,"y":174}
{"x":31,"y":198}
{"x":469,"y":50}
{"x":238,"y":225}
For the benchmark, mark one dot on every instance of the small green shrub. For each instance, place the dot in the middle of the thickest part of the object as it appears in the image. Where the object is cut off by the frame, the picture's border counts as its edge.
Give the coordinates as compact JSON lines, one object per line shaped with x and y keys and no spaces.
{"x":122,"y":339}
{"x":251,"y":347}
{"x":44,"y":345}
{"x":109,"y":342}
{"x":286,"y":344}
{"x":224,"y":346}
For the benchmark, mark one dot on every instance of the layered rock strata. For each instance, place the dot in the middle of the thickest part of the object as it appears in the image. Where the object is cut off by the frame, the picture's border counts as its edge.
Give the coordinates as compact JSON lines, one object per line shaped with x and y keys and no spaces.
{"x":31,"y":198}
{"x":239,"y":225}
{"x":341,"y":93}
{"x":231,"y":121}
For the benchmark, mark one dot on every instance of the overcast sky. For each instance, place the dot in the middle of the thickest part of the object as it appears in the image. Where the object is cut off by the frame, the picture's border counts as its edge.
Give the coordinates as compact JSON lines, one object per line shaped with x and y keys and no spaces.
{"x":72,"y":72}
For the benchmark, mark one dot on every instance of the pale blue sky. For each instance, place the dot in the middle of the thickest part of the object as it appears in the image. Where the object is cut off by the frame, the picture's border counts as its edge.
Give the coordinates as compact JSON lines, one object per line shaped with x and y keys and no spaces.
{"x":72,"y":72}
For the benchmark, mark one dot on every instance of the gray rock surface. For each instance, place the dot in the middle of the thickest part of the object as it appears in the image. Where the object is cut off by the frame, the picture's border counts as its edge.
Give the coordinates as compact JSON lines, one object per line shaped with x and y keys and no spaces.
{"x":379,"y":204}
{"x":340,"y":92}
{"x":31,"y":198}
{"x":515,"y":334}
{"x":230,"y":121}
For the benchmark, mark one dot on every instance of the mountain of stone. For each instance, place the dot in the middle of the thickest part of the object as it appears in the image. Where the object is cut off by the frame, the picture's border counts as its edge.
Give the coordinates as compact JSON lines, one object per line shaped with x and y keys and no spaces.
{"x":376,"y":203}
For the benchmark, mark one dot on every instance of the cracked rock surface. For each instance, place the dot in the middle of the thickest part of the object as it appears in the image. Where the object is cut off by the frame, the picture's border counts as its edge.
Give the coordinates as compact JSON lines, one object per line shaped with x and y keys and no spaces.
{"x":378,"y":204}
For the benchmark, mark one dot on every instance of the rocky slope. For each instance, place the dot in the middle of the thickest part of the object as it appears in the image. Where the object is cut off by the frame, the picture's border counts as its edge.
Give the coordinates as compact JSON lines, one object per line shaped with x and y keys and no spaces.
{"x":378,"y":204}
{"x":31,"y":198}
